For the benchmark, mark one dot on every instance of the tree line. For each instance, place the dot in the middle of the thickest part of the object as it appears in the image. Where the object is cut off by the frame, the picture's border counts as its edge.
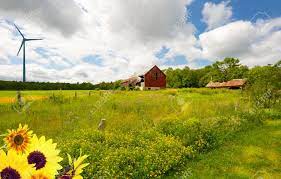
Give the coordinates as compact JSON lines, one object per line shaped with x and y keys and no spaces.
{"x":220,"y":71}
{"x":15,"y":85}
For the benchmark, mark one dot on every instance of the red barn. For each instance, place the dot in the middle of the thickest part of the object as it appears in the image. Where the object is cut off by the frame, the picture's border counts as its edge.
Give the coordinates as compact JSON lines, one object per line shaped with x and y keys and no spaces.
{"x":154,"y":79}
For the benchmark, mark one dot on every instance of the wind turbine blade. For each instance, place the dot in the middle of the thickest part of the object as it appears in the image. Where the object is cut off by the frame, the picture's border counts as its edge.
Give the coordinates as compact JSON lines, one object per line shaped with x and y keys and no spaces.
{"x":32,"y":39}
{"x":20,"y":47}
{"x":19,"y":31}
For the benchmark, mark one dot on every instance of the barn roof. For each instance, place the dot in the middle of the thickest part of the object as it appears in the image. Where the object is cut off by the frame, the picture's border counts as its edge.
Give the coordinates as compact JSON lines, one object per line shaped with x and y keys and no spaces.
{"x":236,"y":83}
{"x":132,"y":81}
{"x":213,"y":84}
{"x":228,"y":84}
{"x":152,"y":69}
{"x":144,"y":71}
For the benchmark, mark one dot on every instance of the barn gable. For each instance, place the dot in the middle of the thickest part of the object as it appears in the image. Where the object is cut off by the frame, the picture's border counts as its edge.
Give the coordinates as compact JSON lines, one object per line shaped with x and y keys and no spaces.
{"x":155,"y":68}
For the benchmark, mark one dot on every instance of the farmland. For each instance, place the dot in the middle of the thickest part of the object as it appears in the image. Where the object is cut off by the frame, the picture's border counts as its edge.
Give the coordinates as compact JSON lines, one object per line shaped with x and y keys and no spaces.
{"x":148,"y":133}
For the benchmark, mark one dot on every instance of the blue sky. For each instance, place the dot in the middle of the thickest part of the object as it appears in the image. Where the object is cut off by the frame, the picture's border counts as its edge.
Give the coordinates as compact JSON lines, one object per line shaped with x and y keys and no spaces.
{"x":246,"y":10}
{"x":242,"y":10}
{"x":113,"y":39}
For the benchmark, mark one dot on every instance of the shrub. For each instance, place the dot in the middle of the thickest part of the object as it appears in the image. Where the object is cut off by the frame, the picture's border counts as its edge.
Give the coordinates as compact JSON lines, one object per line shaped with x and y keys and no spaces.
{"x":264,"y":85}
{"x":191,"y":132}
{"x":58,"y":98}
{"x":143,"y":154}
{"x":204,"y":135}
{"x":272,"y":114}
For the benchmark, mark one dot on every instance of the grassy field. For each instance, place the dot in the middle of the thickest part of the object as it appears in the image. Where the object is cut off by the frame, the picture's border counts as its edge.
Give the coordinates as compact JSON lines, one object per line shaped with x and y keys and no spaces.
{"x":255,"y":153}
{"x":7,"y":97}
{"x":148,"y":133}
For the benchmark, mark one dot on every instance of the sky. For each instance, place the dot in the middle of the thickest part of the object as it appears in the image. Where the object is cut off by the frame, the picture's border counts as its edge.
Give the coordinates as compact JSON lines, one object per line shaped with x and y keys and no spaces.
{"x":97,"y":40}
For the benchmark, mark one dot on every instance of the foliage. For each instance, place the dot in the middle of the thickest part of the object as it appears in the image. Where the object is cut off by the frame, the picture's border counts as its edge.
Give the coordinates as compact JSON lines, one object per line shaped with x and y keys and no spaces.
{"x":59,"y":98}
{"x":264,"y":84}
{"x":252,"y":153}
{"x":228,"y":69}
{"x":220,"y":71}
{"x":148,"y":134}
{"x":145,"y":154}
{"x":259,"y":77}
{"x":14,"y":85}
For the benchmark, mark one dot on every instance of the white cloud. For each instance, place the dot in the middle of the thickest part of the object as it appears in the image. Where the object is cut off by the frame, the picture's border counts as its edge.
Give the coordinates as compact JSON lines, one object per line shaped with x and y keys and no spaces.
{"x":254,"y":43}
{"x":145,"y":22}
{"x":62,"y":15}
{"x":126,"y":34}
{"x":215,"y":15}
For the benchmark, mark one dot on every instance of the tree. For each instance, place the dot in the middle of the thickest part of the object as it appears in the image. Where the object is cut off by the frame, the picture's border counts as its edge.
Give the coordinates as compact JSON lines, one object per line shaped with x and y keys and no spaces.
{"x":264,"y":84}
{"x":174,"y":78}
{"x":278,"y":64}
{"x":228,"y":69}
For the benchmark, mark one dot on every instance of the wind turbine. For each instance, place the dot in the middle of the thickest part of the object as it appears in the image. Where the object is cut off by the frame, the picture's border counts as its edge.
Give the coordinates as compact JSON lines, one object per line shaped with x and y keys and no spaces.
{"x":23,"y":46}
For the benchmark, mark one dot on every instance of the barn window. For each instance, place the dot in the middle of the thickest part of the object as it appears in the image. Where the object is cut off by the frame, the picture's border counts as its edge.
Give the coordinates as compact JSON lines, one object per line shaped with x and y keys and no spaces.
{"x":156,"y":76}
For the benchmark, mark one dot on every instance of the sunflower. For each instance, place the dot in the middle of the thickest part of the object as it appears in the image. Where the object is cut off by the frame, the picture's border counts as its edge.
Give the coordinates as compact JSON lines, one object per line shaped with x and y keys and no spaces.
{"x":19,"y":139}
{"x":77,"y":168}
{"x":79,"y":165}
{"x":13,"y":165}
{"x":44,"y":155}
{"x":41,"y":175}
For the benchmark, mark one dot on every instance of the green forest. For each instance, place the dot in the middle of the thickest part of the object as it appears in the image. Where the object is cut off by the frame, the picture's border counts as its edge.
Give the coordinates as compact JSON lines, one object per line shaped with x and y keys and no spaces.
{"x":220,"y":71}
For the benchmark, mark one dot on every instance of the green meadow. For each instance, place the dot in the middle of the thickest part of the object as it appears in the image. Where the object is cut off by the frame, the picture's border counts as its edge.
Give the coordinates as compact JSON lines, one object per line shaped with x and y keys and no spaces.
{"x":255,"y":153}
{"x":174,"y":133}
{"x":13,"y":94}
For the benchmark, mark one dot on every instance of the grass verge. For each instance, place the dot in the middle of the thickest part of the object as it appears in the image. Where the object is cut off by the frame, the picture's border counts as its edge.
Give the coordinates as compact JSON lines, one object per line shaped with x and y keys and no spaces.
{"x":252,"y":154}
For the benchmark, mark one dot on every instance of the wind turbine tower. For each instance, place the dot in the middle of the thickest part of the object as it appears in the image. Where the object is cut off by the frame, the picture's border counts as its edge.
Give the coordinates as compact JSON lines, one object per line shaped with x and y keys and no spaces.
{"x":23,"y":46}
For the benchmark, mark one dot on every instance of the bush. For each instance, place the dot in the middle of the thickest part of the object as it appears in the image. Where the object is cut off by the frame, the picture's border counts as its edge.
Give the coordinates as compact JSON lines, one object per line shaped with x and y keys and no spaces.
{"x":143,"y":155}
{"x":274,"y":114}
{"x":58,"y":99}
{"x":207,"y":134}
{"x":264,"y":86}
{"x":191,"y":132}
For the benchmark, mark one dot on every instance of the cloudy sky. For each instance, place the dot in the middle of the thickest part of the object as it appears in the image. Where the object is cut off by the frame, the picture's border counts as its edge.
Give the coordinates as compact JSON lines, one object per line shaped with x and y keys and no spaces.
{"x":106,"y":40}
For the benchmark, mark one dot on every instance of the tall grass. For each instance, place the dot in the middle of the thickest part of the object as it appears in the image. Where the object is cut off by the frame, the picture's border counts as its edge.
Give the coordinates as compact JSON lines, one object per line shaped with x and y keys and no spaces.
{"x":147,"y":134}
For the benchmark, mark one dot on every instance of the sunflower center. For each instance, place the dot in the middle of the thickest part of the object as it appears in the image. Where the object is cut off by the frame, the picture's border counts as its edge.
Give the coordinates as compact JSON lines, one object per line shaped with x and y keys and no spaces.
{"x":9,"y":173}
{"x":38,"y":159}
{"x":18,"y":139}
